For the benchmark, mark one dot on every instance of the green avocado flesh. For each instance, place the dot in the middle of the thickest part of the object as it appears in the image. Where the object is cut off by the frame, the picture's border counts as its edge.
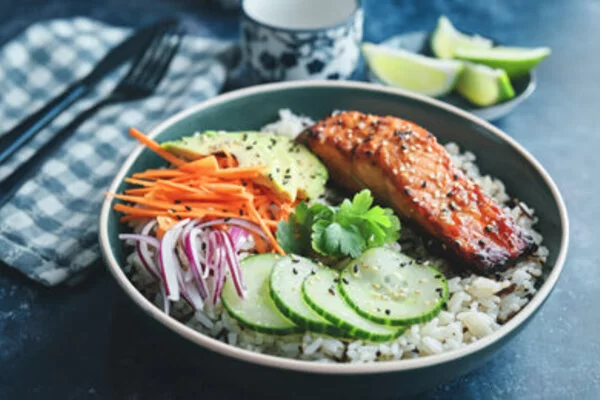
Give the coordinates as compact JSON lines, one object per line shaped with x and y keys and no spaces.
{"x":293,"y":171}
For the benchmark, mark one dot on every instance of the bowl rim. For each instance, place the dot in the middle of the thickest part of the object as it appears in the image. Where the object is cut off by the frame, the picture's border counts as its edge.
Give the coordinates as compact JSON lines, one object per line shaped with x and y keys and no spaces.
{"x":334,"y":368}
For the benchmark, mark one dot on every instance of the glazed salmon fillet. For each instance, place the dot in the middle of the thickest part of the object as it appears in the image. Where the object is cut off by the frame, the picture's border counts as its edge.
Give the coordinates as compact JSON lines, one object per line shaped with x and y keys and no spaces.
{"x":406,"y":168}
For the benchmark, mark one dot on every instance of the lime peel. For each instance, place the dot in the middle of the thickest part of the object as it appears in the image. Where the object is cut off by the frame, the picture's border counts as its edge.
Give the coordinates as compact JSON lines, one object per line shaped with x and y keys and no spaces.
{"x":414,"y":72}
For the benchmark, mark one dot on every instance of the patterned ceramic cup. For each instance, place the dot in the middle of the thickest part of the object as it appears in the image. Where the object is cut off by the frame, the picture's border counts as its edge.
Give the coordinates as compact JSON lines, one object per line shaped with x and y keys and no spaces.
{"x":301,"y":39}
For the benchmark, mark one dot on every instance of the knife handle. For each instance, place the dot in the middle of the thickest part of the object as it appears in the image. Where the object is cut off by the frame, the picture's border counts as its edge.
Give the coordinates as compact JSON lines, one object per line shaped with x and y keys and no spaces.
{"x":18,"y":136}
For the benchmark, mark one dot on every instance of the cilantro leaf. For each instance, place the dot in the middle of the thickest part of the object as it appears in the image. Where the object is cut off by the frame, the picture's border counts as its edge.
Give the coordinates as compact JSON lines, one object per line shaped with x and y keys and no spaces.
{"x":293,"y":235}
{"x":338,"y":232}
{"x":331,"y":239}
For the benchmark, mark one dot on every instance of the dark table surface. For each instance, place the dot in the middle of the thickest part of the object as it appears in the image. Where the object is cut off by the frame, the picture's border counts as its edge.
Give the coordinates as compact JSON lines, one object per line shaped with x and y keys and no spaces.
{"x":77,"y":343}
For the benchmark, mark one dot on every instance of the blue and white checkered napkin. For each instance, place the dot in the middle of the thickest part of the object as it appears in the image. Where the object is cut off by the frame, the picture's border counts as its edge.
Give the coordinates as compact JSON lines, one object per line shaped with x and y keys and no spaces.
{"x":49,"y":229}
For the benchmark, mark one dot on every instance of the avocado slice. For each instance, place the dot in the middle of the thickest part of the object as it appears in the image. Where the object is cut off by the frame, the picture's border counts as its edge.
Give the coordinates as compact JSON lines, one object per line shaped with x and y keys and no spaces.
{"x":293,"y":171}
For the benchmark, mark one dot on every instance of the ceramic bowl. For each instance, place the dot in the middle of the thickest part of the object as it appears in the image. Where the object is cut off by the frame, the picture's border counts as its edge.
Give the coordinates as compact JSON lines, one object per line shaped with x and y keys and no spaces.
{"x":300,"y":39}
{"x":252,"y":108}
{"x":418,"y":42}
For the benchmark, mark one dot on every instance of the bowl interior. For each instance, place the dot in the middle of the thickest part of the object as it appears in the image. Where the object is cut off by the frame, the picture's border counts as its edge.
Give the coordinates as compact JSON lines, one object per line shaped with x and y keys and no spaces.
{"x":497,"y":154}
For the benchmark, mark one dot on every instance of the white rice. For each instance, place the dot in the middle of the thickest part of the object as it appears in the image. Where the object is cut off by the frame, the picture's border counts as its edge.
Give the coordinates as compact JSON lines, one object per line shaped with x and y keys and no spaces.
{"x":477,"y":305}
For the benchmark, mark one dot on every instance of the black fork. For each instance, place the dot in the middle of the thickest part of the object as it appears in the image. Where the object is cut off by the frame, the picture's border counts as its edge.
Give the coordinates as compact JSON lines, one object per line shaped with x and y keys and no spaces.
{"x":144,"y":76}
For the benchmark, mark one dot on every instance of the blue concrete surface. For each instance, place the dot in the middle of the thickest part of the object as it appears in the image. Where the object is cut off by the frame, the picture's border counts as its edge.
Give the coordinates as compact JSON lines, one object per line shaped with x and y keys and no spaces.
{"x":80,"y":343}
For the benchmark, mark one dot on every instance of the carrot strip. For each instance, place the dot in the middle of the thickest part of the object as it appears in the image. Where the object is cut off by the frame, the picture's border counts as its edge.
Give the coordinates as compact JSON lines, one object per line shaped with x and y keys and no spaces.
{"x":155,"y":147}
{"x":203,"y":165}
{"x":139,"y":182}
{"x":265,"y":228}
{"x":138,"y":191}
{"x":158,"y":174}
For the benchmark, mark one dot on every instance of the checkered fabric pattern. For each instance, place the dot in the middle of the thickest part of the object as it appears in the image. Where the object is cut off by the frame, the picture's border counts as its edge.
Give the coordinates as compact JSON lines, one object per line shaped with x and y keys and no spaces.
{"x":49,"y":229}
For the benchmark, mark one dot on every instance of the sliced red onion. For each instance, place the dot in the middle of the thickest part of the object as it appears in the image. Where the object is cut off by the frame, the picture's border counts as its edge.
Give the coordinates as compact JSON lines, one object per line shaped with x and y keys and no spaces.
{"x":250,"y":226}
{"x":234,"y":264}
{"x":238,"y":237}
{"x":193,"y":296}
{"x":166,"y":302}
{"x":138,"y":237}
{"x":143,"y":239}
{"x":169,"y":262}
{"x":218,"y":264}
{"x":190,"y":246}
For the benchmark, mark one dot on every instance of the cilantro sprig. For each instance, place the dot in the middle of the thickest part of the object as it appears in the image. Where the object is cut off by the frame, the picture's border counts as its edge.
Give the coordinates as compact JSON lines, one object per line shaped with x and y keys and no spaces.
{"x":338,"y":232}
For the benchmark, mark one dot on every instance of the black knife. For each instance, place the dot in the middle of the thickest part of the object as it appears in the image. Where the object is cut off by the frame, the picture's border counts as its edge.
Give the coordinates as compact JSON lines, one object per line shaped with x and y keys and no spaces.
{"x":14,"y":139}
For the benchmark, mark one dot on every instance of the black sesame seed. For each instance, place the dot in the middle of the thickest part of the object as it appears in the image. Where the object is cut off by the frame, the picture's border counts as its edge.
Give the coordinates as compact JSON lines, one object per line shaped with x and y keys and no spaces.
{"x":244,"y":184}
{"x":177,"y":201}
{"x":388,"y":312}
{"x":346,"y":282}
{"x":369,"y":152}
{"x":249,"y":147}
{"x":188,"y":208}
{"x":407,"y":191}
{"x":488,"y":228}
{"x":481,"y":243}
{"x":331,"y":291}
{"x":450,"y":194}
{"x":171,"y":210}
{"x":355,"y":268}
{"x":313,"y":272}
{"x":403,"y":147}
{"x":455,"y":177}
{"x":273,"y":142}
{"x":227,"y":219}
{"x":245,"y":137}
{"x":270,"y":177}
{"x":336,"y":280}
{"x":295,"y":271}
{"x":287,"y":170}
{"x":368,"y":139}
{"x":178,"y":217}
{"x":241,"y":212}
{"x":424,"y":184}
{"x":295,"y":260}
{"x":452,"y":206}
{"x":438,"y":276}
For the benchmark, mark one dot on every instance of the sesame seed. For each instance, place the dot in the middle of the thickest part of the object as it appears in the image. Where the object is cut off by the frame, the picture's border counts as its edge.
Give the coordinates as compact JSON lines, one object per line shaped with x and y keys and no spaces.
{"x":294,"y":271}
{"x":424,"y":184}
{"x":345,"y":281}
{"x":188,"y":208}
{"x":387,"y":312}
{"x":177,"y":201}
{"x":331,"y":291}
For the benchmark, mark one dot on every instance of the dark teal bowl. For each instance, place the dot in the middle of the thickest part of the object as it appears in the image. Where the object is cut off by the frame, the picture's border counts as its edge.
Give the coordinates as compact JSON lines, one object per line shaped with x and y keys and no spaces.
{"x":499,"y":155}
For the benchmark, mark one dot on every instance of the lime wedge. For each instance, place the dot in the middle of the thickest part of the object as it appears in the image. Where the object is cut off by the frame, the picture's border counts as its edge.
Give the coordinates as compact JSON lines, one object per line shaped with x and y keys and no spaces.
{"x":414,"y":72}
{"x":516,"y":61}
{"x":446,"y":38}
{"x":484,"y":86}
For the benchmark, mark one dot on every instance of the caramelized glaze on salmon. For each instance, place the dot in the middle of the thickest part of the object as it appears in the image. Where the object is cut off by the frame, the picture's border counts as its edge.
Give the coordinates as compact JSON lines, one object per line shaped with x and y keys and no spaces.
{"x":405,"y":167}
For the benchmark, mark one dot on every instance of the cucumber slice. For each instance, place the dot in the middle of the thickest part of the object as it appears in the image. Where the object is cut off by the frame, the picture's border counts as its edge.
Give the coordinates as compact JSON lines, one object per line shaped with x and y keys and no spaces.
{"x":390,"y":288}
{"x":257,"y":310}
{"x":286,"y":291}
{"x":320,"y":292}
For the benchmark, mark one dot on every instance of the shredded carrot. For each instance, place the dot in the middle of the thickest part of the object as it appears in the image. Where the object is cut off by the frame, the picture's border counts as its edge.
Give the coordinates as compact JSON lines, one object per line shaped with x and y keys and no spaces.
{"x":155,"y":147}
{"x":208,"y":188}
{"x":203,"y":165}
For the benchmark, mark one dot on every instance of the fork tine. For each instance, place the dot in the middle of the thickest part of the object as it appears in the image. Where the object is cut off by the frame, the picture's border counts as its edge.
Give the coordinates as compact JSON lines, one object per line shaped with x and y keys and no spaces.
{"x":163,"y":62}
{"x":138,"y":65}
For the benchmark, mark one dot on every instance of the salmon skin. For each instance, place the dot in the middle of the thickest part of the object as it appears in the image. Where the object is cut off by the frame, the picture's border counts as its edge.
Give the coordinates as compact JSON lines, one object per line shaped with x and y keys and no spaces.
{"x":406,"y":168}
